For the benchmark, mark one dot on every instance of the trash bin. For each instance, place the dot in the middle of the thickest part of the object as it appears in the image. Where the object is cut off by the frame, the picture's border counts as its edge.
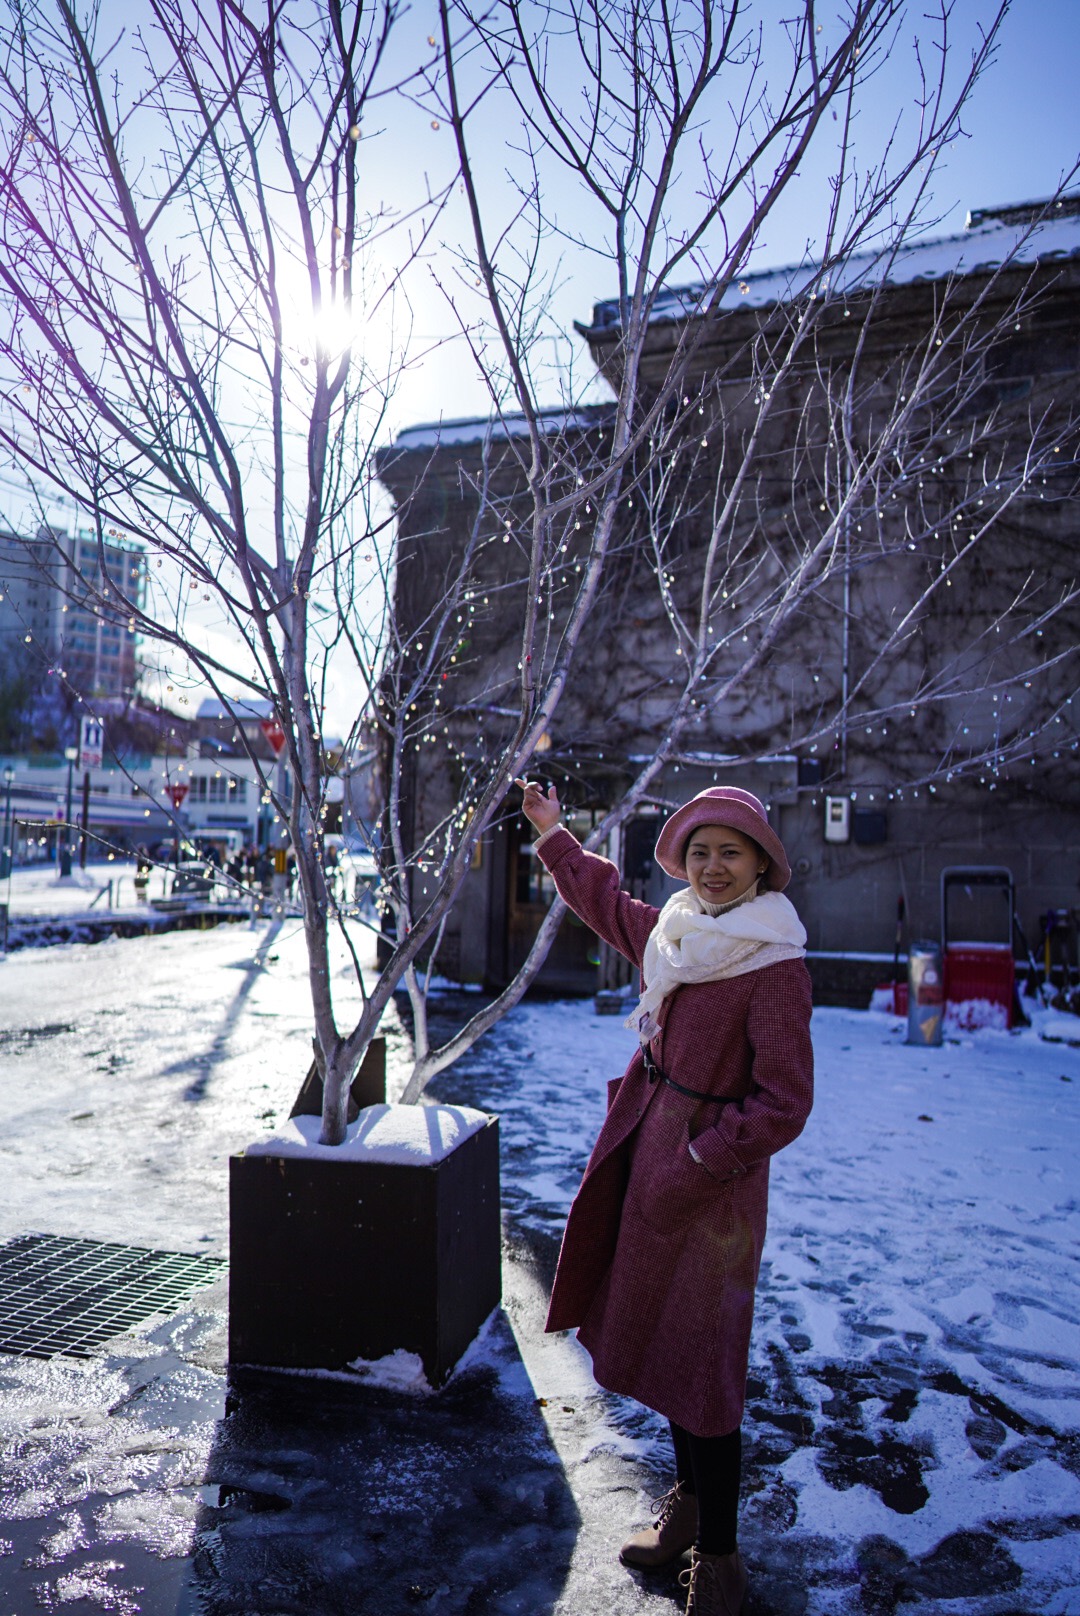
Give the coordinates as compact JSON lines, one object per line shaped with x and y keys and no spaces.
{"x":977,"y":907}
{"x":926,"y":994}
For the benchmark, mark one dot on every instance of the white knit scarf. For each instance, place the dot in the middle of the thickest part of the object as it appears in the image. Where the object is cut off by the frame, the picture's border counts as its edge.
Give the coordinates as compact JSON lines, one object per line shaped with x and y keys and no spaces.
{"x":689,"y":945}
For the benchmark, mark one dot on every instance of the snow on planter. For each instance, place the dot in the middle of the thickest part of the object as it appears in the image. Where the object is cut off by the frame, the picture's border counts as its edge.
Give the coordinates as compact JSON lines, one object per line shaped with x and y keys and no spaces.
{"x":398,"y":1135}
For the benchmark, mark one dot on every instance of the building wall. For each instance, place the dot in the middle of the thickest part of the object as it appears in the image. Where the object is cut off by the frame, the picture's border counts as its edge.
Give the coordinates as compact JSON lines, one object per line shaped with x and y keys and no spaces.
{"x":1022,"y":814}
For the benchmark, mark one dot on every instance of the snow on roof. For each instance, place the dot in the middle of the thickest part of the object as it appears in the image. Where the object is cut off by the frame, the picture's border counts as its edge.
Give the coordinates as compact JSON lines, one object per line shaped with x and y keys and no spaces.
{"x":993,"y":237}
{"x":445,"y":434}
{"x":211,"y":708}
{"x":403,"y":1135}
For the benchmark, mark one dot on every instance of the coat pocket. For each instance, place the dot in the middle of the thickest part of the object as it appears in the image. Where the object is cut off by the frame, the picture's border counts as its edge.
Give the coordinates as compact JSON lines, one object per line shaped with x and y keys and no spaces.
{"x":670,"y":1189}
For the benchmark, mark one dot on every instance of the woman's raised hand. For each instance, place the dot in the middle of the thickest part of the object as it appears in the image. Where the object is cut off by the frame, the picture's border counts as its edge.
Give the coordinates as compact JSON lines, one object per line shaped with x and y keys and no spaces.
{"x":543,"y":811}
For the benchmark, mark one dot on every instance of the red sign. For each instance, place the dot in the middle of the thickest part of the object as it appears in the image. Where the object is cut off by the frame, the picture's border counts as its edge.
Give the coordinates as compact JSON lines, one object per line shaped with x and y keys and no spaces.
{"x":274,"y":734}
{"x":176,"y":794}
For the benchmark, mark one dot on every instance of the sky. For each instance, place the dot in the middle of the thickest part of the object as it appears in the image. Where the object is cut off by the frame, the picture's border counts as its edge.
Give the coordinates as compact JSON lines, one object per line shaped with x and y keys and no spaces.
{"x":1021,"y":137}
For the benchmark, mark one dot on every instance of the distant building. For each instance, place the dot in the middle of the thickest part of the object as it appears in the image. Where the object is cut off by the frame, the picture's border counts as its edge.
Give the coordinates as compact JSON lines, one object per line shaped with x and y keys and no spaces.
{"x":27,"y":600}
{"x":93,"y":642}
{"x":239,"y":730}
{"x":134,"y":806}
{"x":55,"y":611}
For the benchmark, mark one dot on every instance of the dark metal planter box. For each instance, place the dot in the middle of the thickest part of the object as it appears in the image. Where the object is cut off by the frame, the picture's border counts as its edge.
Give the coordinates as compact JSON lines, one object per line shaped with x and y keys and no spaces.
{"x":333,"y":1261}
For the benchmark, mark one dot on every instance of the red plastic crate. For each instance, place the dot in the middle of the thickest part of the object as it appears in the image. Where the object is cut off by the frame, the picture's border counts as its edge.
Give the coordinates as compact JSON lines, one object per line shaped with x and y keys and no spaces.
{"x":980,"y":971}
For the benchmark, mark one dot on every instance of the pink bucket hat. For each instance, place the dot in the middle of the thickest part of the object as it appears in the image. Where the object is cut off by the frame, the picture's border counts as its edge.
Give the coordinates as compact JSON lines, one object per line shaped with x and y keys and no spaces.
{"x":722,"y":805}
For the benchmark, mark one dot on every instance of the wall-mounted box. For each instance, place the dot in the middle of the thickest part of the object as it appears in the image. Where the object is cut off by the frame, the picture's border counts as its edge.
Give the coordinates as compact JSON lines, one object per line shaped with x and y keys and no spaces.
{"x":868,"y":827}
{"x":838,"y":819}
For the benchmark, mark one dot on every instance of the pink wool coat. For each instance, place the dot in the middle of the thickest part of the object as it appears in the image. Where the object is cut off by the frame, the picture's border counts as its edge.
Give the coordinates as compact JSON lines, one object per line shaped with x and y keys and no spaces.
{"x":661,"y":1252}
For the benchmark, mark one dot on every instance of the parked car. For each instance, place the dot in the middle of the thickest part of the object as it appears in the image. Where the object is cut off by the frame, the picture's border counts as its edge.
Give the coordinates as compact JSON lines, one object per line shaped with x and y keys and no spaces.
{"x":194,"y":878}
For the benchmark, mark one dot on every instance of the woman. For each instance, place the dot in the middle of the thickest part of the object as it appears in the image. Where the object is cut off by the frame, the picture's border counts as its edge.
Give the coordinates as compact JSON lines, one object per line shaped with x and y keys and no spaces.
{"x":663,"y":1242}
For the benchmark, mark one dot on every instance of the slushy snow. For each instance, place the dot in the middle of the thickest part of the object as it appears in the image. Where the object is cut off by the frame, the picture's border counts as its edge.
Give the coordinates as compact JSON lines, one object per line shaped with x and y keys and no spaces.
{"x":915,"y":1377}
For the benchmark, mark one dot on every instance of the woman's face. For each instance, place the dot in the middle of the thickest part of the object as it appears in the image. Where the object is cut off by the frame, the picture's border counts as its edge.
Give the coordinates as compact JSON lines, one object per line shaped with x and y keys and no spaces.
{"x":722,"y":864}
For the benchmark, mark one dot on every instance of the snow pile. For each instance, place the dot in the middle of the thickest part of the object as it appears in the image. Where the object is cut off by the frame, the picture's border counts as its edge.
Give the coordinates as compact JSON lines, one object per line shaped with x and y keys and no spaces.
{"x":397,"y":1135}
{"x":881,"y":1000}
{"x":399,"y":1371}
{"x":1056,"y":1029}
{"x":973,"y":1015}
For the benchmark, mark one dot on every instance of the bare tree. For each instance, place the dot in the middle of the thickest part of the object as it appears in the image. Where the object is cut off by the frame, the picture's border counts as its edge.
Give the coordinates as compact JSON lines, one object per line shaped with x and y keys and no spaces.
{"x":190,"y":234}
{"x":183,"y":213}
{"x":778,"y":466}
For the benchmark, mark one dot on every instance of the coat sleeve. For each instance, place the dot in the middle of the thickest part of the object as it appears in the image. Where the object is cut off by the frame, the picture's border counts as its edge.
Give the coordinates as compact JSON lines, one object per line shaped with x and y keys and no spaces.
{"x":591,"y":887}
{"x":775,"y":1113}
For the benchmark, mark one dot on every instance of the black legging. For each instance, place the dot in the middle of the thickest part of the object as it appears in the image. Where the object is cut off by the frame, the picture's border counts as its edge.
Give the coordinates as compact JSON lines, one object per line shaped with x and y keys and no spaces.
{"x":711,"y":1467}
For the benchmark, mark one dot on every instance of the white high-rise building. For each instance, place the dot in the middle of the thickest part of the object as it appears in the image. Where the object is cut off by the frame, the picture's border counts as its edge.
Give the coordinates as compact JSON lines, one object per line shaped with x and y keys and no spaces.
{"x":28,"y":603}
{"x":94,"y":641}
{"x":56,"y":611}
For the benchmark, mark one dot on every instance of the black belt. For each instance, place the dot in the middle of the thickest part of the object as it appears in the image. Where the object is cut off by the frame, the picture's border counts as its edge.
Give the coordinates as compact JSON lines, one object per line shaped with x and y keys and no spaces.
{"x":656,"y":1075}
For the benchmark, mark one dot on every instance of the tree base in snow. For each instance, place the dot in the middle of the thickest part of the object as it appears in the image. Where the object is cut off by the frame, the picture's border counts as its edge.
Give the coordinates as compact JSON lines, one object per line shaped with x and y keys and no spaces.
{"x":333,"y":1261}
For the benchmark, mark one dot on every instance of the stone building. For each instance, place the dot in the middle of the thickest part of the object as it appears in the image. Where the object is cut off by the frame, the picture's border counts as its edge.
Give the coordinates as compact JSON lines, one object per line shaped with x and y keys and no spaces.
{"x":874,"y":803}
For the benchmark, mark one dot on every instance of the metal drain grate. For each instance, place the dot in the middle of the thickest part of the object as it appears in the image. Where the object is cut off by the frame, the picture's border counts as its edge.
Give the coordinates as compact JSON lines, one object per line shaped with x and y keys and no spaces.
{"x":69,"y":1296}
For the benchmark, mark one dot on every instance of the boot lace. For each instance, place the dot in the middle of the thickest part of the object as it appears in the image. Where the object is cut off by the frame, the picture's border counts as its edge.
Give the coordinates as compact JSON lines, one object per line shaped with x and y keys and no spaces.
{"x":688,"y":1579}
{"x":705,"y":1585}
{"x":664,"y":1507}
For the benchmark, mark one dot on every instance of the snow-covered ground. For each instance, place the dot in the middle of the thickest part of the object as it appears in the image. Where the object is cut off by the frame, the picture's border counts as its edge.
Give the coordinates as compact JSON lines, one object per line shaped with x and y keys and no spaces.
{"x":37,"y":889}
{"x":913,"y":1421}
{"x":914,"y":1417}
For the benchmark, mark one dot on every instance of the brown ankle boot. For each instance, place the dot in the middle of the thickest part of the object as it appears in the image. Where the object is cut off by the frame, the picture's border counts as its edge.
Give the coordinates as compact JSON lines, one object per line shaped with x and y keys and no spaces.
{"x":673,"y":1530}
{"x":717,"y":1584}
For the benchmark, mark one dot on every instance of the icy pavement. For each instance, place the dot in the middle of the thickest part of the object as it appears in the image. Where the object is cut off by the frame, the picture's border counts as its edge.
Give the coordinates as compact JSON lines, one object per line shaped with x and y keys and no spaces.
{"x":914,"y":1415}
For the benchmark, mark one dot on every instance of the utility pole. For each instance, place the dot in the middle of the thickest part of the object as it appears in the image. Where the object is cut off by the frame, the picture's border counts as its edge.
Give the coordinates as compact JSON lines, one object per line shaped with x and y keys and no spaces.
{"x":6,"y":852}
{"x":71,"y":753}
{"x":83,"y":838}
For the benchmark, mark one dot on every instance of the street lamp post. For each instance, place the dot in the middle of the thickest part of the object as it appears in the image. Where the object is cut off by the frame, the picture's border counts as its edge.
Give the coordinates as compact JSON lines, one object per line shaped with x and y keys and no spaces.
{"x":6,"y":850}
{"x":71,"y":753}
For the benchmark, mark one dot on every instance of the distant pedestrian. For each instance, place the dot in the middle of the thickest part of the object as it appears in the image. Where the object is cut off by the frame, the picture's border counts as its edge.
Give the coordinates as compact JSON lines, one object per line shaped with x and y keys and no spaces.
{"x":331,"y":871}
{"x":663,"y":1243}
{"x":142,"y":874}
